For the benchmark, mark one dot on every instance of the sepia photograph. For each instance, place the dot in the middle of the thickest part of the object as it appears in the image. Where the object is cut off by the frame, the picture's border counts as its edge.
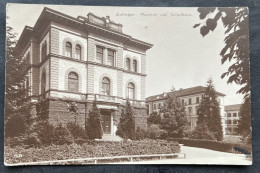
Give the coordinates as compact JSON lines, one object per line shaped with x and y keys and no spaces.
{"x":127,"y":85}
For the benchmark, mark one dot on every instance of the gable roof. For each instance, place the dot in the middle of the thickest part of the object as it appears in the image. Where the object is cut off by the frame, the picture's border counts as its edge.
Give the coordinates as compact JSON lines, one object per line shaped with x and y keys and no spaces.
{"x":181,"y":92}
{"x":232,"y":107}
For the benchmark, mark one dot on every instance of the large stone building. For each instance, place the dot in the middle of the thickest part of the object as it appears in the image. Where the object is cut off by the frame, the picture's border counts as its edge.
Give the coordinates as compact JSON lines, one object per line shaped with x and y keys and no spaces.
{"x":232,"y":117}
{"x":190,"y":98}
{"x":74,"y":61}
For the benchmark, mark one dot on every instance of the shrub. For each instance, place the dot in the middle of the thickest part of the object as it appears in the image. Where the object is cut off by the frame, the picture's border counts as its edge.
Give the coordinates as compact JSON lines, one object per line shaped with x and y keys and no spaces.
{"x":140,"y":133}
{"x":61,"y":135}
{"x":76,"y":131}
{"x":154,"y":118}
{"x":15,"y":126}
{"x":45,"y":132}
{"x":154,"y":131}
{"x":202,"y":132}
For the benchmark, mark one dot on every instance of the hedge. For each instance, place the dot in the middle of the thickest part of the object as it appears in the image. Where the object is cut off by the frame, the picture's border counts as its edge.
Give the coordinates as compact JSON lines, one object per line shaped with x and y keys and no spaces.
{"x":90,"y":149}
{"x":215,"y":145}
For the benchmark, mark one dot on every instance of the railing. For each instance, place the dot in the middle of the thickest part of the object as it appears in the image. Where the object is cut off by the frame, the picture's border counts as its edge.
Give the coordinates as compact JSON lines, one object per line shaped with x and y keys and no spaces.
{"x":96,"y":159}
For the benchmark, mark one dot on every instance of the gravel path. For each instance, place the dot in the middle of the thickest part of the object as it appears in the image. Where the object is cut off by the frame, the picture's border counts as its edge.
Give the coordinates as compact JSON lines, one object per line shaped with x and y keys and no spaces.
{"x":202,"y":156}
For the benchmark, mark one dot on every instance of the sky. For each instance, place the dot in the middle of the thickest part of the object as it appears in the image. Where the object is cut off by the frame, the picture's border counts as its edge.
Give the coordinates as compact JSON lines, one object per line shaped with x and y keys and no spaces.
{"x":180,"y":57}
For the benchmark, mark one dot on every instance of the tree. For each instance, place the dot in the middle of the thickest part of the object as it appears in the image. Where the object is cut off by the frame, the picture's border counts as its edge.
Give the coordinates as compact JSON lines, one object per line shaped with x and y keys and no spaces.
{"x":126,"y":126}
{"x":15,"y":92}
{"x":244,"y":122}
{"x":209,"y":111}
{"x":94,"y":126}
{"x":154,"y":118}
{"x":174,"y":119}
{"x":236,"y":49}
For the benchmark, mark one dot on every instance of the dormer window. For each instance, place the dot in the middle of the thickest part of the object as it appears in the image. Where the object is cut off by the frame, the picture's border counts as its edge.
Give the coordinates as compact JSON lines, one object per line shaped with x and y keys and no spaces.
{"x":68,"y":50}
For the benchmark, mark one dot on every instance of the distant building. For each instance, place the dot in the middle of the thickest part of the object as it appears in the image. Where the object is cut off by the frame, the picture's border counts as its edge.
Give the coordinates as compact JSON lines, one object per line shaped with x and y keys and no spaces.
{"x":190,"y":98}
{"x":232,"y":117}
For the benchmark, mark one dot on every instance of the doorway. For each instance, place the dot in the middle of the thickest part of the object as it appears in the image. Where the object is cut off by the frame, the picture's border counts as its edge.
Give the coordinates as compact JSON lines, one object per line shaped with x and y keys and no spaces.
{"x":106,"y":121}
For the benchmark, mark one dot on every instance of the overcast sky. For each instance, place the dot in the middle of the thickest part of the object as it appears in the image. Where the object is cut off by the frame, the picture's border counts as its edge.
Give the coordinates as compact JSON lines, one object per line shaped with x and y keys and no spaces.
{"x":180,"y":57}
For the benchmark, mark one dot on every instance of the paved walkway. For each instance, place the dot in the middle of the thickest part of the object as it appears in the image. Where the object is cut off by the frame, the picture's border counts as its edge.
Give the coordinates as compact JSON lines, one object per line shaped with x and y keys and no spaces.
{"x":202,"y":156}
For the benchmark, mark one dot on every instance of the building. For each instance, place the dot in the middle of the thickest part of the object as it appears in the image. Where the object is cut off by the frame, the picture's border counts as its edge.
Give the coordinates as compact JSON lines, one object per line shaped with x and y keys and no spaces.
{"x":74,"y":61}
{"x":232,"y":117}
{"x":190,"y":98}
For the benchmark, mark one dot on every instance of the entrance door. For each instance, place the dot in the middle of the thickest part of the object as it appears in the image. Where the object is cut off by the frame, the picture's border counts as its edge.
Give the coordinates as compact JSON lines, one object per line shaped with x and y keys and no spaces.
{"x":106,"y":122}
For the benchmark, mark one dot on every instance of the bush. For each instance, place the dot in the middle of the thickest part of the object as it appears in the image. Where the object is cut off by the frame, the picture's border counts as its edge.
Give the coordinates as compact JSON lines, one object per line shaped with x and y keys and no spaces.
{"x":15,"y":126}
{"x":91,"y":149}
{"x":61,"y":135}
{"x":45,"y":132}
{"x":215,"y":145}
{"x":140,"y":133}
{"x":202,"y":132}
{"x":154,"y":118}
{"x":154,"y":131}
{"x":76,"y":131}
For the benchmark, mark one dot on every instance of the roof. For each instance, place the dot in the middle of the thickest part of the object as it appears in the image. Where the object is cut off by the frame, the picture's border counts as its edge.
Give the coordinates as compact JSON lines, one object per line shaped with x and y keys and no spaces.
{"x":91,"y":22}
{"x":180,"y":92}
{"x":232,"y":107}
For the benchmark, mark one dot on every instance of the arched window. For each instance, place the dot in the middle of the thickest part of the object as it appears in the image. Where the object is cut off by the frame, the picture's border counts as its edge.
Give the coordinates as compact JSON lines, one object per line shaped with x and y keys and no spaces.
{"x":127,"y":64}
{"x":131,"y":91}
{"x":78,"y":52}
{"x":105,"y":86}
{"x":135,"y":65}
{"x":73,"y":82}
{"x":44,"y":49}
{"x":43,"y":84}
{"x":68,"y":49}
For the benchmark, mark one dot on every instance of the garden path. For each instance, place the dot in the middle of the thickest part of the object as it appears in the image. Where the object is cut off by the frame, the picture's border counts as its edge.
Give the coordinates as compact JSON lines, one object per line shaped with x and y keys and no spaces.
{"x":202,"y":156}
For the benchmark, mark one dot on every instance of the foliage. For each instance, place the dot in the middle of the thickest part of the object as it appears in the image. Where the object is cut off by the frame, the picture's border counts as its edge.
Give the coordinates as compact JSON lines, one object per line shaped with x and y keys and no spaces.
{"x":244,"y":122}
{"x":154,"y":118}
{"x":209,"y":112}
{"x":76,"y":131}
{"x":174,"y":117}
{"x":15,"y":126}
{"x":201,"y":131}
{"x":94,"y":126}
{"x":91,"y":149}
{"x":140,"y":133}
{"x":154,"y":131}
{"x":235,"y":21}
{"x":61,"y":135}
{"x":44,"y":132}
{"x":215,"y":145}
{"x":126,"y":126}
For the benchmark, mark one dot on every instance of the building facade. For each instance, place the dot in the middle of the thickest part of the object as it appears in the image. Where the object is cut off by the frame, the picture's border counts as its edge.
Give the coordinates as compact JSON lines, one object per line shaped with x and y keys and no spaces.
{"x":190,"y":98}
{"x":232,"y":117}
{"x":74,"y":61}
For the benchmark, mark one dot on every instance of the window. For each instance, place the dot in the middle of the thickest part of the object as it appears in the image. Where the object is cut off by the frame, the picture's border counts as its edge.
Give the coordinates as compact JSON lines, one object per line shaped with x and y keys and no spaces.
{"x":234,"y":114}
{"x":154,"y":106}
{"x":190,"y":110}
{"x":229,"y":114}
{"x":68,"y":50}
{"x":44,"y":49}
{"x":127,"y":64}
{"x":73,"y":82}
{"x":197,"y":100}
{"x":229,"y":121}
{"x":189,"y":101}
{"x":43,"y":84}
{"x":135,"y":65}
{"x":110,"y":57}
{"x":182,"y":102}
{"x":105,"y":86}
{"x":131,"y":91}
{"x":235,"y":122}
{"x":78,"y":52}
{"x":197,"y":110}
{"x":99,"y":55}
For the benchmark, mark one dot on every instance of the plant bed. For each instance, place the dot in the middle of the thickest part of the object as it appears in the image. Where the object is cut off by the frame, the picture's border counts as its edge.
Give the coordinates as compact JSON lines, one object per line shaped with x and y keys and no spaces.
{"x":89,"y":149}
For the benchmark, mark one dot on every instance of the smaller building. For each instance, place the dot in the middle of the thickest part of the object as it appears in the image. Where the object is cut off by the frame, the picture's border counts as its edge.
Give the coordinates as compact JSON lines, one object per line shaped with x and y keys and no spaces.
{"x":232,"y":117}
{"x":190,"y":98}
